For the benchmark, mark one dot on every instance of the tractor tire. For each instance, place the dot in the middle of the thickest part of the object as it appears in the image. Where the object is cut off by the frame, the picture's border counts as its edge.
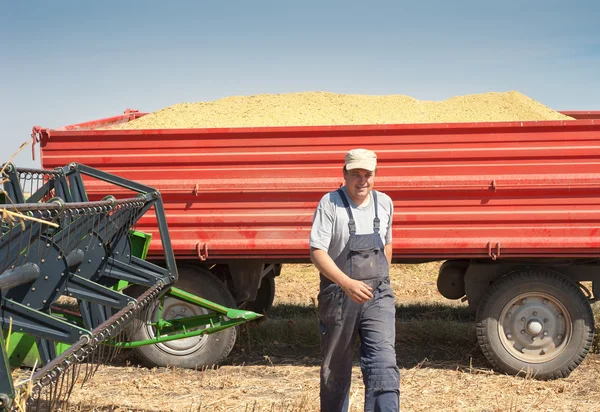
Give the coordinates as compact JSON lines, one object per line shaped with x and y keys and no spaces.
{"x":535,"y":323}
{"x":194,"y":352}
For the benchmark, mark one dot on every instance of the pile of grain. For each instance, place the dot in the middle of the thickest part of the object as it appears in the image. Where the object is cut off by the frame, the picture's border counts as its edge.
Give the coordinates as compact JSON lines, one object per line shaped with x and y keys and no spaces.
{"x":322,"y":108}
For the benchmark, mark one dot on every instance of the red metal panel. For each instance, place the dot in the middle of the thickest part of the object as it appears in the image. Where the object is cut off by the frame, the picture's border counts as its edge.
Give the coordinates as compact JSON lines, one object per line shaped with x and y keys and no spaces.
{"x":582,"y":115}
{"x":460,"y":189}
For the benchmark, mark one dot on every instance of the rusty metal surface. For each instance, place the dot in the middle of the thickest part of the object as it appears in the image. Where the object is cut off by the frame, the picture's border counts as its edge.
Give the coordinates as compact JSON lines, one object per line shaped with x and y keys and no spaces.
{"x":460,"y":190}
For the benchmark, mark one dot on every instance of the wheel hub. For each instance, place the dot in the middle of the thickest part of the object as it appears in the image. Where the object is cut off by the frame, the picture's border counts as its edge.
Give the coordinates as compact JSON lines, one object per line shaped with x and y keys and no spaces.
{"x":534,"y":327}
{"x":177,"y":309}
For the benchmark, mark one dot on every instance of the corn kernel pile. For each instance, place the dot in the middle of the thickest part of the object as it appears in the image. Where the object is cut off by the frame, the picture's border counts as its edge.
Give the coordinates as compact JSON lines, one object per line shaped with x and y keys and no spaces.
{"x":323,"y":108}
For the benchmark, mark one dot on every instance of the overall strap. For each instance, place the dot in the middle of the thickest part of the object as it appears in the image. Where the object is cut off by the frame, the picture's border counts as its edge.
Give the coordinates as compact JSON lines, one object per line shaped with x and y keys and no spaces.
{"x":351,"y":222}
{"x":376,"y":221}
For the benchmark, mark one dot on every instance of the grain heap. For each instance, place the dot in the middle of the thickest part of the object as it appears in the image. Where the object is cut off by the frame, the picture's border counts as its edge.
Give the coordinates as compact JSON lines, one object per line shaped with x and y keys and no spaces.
{"x":322,"y":108}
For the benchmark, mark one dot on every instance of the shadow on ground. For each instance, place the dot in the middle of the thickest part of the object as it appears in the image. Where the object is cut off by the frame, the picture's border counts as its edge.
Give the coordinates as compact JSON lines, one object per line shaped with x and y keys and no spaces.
{"x":439,"y":335}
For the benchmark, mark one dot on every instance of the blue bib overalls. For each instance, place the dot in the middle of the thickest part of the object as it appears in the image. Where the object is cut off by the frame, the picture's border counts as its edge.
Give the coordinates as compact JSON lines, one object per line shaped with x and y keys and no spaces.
{"x":344,"y":322}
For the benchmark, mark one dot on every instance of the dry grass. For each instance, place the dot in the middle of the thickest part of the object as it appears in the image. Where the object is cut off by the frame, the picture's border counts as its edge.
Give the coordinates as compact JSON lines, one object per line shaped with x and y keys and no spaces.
{"x":229,"y":388}
{"x":427,"y":386}
{"x":299,"y":284}
{"x":274,"y":366}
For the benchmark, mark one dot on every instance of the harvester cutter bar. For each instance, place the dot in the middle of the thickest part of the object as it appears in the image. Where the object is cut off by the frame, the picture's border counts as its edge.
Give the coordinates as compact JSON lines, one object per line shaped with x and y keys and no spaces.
{"x":51,"y":385}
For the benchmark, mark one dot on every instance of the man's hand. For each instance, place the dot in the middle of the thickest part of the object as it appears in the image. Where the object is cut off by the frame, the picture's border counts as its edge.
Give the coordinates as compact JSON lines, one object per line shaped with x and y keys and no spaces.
{"x":358,"y":291}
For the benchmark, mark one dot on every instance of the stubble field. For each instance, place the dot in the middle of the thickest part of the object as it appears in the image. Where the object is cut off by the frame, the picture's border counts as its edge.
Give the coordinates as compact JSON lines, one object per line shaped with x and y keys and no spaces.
{"x":275,"y":364}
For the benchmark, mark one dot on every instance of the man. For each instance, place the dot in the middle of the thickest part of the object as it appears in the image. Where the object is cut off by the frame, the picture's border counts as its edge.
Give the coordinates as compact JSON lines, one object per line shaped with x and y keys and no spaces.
{"x":351,"y":245}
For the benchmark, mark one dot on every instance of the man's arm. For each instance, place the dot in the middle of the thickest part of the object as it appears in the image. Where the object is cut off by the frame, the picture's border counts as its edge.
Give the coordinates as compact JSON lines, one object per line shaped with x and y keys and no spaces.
{"x":357,"y":290}
{"x":388,"y":252}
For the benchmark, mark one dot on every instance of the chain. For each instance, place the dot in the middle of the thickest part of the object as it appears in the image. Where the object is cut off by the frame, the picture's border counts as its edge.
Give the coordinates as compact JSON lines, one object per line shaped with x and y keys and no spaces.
{"x":48,"y":376}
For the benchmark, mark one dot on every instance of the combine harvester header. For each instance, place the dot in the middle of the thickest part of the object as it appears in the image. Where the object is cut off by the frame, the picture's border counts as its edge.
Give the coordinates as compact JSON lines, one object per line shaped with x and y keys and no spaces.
{"x":73,"y":282}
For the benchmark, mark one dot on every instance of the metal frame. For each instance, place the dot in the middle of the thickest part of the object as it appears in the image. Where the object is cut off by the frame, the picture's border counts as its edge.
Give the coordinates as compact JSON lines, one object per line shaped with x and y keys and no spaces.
{"x":93,"y":263}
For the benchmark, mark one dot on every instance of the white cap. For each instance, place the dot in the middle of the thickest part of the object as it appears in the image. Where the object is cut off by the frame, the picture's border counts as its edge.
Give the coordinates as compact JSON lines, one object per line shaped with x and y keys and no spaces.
{"x":361,"y":159}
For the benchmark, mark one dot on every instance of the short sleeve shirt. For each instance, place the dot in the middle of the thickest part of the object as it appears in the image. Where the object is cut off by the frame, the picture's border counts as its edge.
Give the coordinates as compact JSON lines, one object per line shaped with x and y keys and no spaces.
{"x":330,"y":230}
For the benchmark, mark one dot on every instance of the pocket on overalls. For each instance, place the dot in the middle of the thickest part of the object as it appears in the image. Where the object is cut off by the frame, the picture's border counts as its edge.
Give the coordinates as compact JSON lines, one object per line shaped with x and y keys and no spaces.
{"x":365,"y":263}
{"x":386,"y":299}
{"x":330,"y":305}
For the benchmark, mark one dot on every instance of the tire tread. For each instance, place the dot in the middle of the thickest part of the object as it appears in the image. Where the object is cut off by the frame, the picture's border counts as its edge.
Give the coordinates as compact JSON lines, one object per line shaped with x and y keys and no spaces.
{"x":542,"y":277}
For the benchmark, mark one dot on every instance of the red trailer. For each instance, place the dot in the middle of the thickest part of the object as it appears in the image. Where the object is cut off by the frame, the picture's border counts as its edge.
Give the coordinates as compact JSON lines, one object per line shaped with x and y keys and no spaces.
{"x":513,"y":207}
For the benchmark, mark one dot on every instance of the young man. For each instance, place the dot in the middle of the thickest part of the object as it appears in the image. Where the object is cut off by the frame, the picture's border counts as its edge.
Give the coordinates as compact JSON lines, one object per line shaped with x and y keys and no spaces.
{"x":351,"y":245}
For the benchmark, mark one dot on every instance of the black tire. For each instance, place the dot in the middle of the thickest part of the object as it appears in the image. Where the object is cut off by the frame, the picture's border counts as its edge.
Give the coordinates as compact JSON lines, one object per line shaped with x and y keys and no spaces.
{"x":264,"y":297}
{"x":195,"y":352}
{"x":537,"y":323}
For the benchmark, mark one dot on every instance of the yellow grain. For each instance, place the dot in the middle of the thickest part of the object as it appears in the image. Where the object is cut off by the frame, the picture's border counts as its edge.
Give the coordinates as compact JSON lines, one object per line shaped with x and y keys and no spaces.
{"x":324,"y":108}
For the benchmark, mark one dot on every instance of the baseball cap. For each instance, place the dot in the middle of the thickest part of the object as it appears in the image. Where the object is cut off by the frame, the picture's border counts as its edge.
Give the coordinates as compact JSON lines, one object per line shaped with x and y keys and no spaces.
{"x":361,"y":159}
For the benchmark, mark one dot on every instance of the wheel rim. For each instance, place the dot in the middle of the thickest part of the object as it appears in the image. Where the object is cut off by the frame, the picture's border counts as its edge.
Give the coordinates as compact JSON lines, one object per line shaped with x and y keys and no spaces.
{"x":176,"y":309}
{"x":535,"y":327}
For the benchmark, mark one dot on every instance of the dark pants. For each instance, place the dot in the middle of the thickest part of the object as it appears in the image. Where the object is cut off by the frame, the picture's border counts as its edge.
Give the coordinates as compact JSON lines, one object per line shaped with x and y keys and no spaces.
{"x":343,"y":324}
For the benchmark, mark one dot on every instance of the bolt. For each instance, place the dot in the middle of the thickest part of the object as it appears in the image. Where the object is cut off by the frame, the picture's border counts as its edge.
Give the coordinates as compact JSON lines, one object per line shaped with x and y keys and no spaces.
{"x":523,"y":319}
{"x":534,"y":313}
{"x":560,"y":316}
{"x":28,"y":304}
{"x":546,"y":320}
{"x":522,"y":332}
{"x":508,"y":336}
{"x":62,"y":274}
{"x":524,"y":301}
{"x":59,"y":257}
{"x":78,"y":270}
{"x":43,"y":260}
{"x":70,"y":294}
{"x":559,"y":337}
{"x":44,"y":301}
{"x":89,"y":260}
{"x":545,"y":333}
{"x":509,"y":314}
{"x":32,"y":289}
{"x":57,"y":289}
{"x":45,"y":277}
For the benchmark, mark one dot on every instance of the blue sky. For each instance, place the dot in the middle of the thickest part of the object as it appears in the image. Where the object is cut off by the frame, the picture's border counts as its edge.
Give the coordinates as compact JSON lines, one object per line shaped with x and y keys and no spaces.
{"x":64,"y":62}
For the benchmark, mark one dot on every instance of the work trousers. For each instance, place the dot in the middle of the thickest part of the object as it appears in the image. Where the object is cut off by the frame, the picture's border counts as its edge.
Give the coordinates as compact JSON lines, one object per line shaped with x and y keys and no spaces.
{"x":344,"y":323}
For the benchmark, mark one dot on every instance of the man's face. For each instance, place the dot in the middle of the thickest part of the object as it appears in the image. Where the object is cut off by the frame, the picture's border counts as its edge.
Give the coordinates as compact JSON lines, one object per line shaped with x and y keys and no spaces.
{"x":359,"y":182}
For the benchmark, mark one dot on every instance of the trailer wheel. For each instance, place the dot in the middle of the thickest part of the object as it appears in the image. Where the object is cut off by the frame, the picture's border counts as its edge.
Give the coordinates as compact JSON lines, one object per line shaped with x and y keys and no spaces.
{"x":535,"y":322}
{"x":194,"y":352}
{"x":265,"y":295}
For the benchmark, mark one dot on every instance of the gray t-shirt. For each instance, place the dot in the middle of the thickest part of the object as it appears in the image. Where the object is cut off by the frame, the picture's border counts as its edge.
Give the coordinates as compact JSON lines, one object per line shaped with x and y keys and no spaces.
{"x":330,"y":223}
